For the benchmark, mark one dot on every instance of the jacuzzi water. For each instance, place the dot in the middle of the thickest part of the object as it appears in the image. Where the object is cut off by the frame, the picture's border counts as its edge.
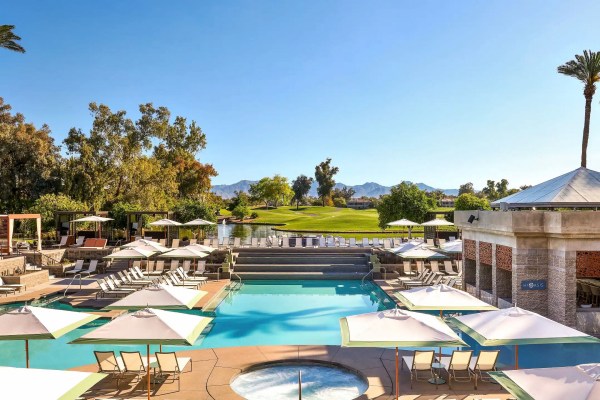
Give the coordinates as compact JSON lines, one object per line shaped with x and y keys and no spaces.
{"x":280,"y":382}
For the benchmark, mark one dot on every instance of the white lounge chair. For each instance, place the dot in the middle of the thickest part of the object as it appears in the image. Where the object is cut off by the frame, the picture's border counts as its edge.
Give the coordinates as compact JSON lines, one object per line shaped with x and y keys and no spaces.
{"x":322,"y":242}
{"x":330,"y":242}
{"x":134,"y":364}
{"x":309,"y":242}
{"x":77,"y":269}
{"x":237,"y":242}
{"x":434,"y":266}
{"x":376,"y":242}
{"x":387,"y":244}
{"x":352,"y":242}
{"x":285,"y":241}
{"x":262,"y":242}
{"x":79,"y":242}
{"x":448,"y":268}
{"x":63,"y":242}
{"x":342,"y":242}
{"x":91,"y":268}
{"x":365,"y":242}
{"x":254,"y":242}
{"x":158,"y":268}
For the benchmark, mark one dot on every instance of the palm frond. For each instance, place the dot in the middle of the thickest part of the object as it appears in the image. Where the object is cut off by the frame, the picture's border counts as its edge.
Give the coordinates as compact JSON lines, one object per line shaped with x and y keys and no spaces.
{"x":584,"y":67}
{"x":8,"y":39}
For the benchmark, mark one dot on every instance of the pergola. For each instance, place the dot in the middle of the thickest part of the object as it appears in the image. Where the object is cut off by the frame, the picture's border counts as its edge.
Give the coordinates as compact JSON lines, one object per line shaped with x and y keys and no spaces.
{"x":7,"y":226}
{"x":64,"y":220}
{"x":135,"y":217}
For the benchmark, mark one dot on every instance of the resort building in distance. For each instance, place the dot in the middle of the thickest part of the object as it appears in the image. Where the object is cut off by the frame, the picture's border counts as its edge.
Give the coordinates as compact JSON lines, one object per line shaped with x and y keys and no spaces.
{"x":537,"y":251}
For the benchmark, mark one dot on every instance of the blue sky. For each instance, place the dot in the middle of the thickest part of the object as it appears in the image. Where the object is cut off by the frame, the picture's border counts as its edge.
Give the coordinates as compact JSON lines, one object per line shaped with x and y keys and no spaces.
{"x":430,"y":91}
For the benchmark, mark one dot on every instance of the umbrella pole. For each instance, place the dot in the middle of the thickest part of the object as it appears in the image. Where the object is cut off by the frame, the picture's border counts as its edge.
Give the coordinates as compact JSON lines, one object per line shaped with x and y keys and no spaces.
{"x":27,"y":353}
{"x":148,"y":368}
{"x":397,"y":377}
{"x":516,"y":356}
{"x":440,"y":348}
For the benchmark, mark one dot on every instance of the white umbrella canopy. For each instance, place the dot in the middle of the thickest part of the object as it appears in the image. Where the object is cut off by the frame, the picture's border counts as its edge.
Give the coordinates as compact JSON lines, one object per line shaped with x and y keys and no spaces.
{"x":406,"y":246}
{"x":165,"y":222}
{"x":441,"y":297}
{"x":32,"y":323}
{"x":92,"y":218}
{"x":437,"y":222}
{"x":403,"y":222}
{"x":159,"y":296}
{"x":515,"y":326}
{"x":453,"y":247}
{"x":420,"y":253}
{"x":146,"y":243}
{"x":201,"y":247}
{"x":199,"y":221}
{"x":32,"y":383}
{"x":579,"y":382}
{"x":148,"y":326}
{"x":397,"y":328}
{"x":132,"y":253}
{"x":184,"y":252}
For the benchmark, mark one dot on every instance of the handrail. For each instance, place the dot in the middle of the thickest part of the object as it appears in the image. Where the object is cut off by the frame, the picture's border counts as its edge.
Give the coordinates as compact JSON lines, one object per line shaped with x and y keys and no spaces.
{"x":70,"y":283}
{"x":232,"y":273}
{"x":362,"y":281}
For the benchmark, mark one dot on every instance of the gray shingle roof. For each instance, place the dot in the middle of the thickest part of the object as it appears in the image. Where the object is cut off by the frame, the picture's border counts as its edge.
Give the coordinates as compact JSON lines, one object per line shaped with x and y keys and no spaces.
{"x":578,"y":188}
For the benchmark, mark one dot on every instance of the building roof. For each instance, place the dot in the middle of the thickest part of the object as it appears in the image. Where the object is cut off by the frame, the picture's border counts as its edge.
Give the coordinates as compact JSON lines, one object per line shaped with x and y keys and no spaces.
{"x":579,"y":188}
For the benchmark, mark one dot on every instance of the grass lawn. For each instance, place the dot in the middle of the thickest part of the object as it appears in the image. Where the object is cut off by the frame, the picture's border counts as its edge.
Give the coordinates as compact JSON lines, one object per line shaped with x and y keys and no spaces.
{"x":316,"y":219}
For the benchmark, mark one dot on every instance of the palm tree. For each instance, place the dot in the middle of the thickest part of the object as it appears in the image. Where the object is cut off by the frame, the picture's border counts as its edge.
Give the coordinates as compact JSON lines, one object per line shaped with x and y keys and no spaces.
{"x":586,"y":68}
{"x":8,"y":39}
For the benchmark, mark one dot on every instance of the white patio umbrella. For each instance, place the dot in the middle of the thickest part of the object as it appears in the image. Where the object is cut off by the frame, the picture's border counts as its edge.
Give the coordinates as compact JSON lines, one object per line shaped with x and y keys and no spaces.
{"x":202,"y":248}
{"x":453,"y":247}
{"x":148,"y":326}
{"x":186,"y":253}
{"x":32,"y":383}
{"x":159,"y":296}
{"x":397,"y":328}
{"x":168,"y":223}
{"x":579,"y":382}
{"x":96,"y":219}
{"x":147,"y":243}
{"x":422,"y":253}
{"x":441,"y":297}
{"x":199,"y":222}
{"x":33,"y":323}
{"x":404,"y":222}
{"x":437,"y":222}
{"x":406,"y":246}
{"x":132,"y":253}
{"x":516,"y":326}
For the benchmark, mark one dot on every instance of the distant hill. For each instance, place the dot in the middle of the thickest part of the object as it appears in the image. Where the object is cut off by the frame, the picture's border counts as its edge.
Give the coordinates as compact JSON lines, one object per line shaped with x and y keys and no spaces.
{"x":369,"y":189}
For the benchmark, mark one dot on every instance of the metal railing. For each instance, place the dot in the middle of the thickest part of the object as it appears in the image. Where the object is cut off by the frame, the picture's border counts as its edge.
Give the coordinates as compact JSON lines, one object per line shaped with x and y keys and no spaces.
{"x":70,"y":283}
{"x":362,"y":281}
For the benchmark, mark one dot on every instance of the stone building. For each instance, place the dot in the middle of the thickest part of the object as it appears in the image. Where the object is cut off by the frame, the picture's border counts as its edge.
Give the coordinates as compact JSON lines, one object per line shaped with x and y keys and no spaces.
{"x":533,"y":248}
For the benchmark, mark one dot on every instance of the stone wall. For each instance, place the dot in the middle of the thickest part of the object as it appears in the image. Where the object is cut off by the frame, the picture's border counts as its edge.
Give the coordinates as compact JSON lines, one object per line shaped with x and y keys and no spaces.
{"x":470,"y":249}
{"x":46,"y":257}
{"x":78,"y":253}
{"x":30,"y":279}
{"x":562,"y":286}
{"x":530,"y":264}
{"x":504,"y":257}
{"x":485,"y":253}
{"x":10,"y":264}
{"x":588,"y":264}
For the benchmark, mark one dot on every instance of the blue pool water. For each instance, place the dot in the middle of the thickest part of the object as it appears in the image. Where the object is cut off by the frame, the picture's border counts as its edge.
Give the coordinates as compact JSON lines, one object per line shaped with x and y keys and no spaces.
{"x":280,"y":312}
{"x":260,"y":313}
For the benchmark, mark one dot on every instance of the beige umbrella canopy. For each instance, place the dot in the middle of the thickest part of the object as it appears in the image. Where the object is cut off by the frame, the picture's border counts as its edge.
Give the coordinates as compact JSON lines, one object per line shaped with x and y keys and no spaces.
{"x":146,"y":243}
{"x":39,"y":384}
{"x":397,"y":328}
{"x":515,"y":326}
{"x":148,"y":326}
{"x":132,"y":253}
{"x":187,"y":252}
{"x":201,"y":247}
{"x":159,"y":296}
{"x":94,"y":218}
{"x":33,"y":323}
{"x":168,"y":223}
{"x":198,"y":222}
{"x":581,"y":382}
{"x":404,"y":222}
{"x":441,"y":297}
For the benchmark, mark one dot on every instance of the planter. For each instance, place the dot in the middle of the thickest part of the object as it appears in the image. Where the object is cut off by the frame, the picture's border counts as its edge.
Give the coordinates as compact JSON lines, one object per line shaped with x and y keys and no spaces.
{"x":30,"y":279}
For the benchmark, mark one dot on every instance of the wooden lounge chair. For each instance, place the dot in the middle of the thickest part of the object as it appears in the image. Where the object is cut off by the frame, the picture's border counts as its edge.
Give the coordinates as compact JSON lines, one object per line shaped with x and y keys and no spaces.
{"x":420,"y":361}
{"x":77,"y":269}
{"x":171,"y":365}
{"x":458,"y":366}
{"x":109,"y":364}
{"x":484,"y":363}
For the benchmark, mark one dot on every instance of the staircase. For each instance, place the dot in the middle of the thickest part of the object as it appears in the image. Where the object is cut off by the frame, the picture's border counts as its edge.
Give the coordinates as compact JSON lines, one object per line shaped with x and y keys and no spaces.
{"x":301,"y":263}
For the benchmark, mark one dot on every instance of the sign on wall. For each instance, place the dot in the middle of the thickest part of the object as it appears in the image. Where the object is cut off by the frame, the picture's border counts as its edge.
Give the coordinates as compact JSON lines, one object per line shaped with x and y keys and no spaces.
{"x":533,"y":284}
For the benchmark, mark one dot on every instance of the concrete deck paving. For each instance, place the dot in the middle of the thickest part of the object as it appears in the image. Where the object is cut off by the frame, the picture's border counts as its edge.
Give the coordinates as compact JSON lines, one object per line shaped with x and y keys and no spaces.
{"x":214,"y":369}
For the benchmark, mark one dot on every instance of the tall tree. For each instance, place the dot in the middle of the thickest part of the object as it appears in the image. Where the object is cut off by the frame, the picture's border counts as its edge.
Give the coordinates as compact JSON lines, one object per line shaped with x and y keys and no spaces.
{"x":585,"y":68}
{"x":468,"y":201}
{"x":30,"y":162}
{"x":8,"y":39}
{"x":324,"y":173}
{"x":405,"y":200}
{"x":466,"y":188}
{"x":301,"y":186}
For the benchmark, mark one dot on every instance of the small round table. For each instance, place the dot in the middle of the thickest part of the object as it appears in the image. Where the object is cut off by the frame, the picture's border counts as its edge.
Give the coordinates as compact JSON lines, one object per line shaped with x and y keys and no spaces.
{"x":437,"y":379}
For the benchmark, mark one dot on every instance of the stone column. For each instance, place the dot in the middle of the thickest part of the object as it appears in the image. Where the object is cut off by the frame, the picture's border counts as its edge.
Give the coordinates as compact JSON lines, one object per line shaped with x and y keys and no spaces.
{"x":562,"y":286}
{"x":530,"y":264}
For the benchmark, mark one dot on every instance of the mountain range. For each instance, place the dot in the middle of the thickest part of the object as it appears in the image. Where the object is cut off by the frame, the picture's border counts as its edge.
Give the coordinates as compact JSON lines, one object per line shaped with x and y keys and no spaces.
{"x":369,"y":189}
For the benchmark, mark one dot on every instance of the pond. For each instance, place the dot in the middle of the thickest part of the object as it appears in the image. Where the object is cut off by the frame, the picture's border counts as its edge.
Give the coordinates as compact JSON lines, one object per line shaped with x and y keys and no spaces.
{"x":246,"y":231}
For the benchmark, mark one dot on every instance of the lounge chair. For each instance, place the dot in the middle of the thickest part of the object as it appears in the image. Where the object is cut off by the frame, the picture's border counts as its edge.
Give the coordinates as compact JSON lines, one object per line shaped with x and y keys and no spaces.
{"x":484,"y":363}
{"x":418,"y":279}
{"x":432,"y":279}
{"x":170,"y":364}
{"x":106,"y":291}
{"x":458,"y":366}
{"x":174,"y":265}
{"x":184,"y":276}
{"x":285,"y":241}
{"x":63,"y":242}
{"x":79,"y":242}
{"x":419,"y":361}
{"x":376,"y":242}
{"x":162,"y":242}
{"x":138,"y":275}
{"x":77,"y":269}
{"x":193,"y":241}
{"x":175,"y":243}
{"x":441,"y":241}
{"x":186,"y":265}
{"x":136,"y":263}
{"x":118,"y":284}
{"x":352,"y":242}
{"x":342,"y":242}
{"x":434,"y":265}
{"x":134,"y":364}
{"x":407,"y":266}
{"x":397,"y":242}
{"x":200,"y":268}
{"x":206,"y":242}
{"x":254,"y":242}
{"x":158,"y":268}
{"x":420,"y":266}
{"x":237,"y":242}
{"x":387,"y":244}
{"x":365,"y":242}
{"x":109,"y":364}
{"x":322,"y":242}
{"x":224,"y":242}
{"x":330,"y":242}
{"x":91,"y":268}
{"x":6,"y":290}
{"x":309,"y":242}
{"x":430,"y":242}
{"x":176,"y":281}
{"x":448,"y":268}
{"x":262,"y":242}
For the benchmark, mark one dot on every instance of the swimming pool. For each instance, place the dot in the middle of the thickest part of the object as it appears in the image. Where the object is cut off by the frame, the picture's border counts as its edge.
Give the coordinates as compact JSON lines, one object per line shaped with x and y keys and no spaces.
{"x":259,"y":313}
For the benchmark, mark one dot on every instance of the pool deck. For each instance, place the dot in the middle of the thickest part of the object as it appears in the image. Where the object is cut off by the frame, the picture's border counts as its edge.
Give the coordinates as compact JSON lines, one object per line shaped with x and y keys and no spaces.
{"x":214,"y":369}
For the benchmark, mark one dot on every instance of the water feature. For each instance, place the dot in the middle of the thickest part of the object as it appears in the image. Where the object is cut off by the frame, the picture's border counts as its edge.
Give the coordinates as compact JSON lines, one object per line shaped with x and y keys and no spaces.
{"x":279,"y":381}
